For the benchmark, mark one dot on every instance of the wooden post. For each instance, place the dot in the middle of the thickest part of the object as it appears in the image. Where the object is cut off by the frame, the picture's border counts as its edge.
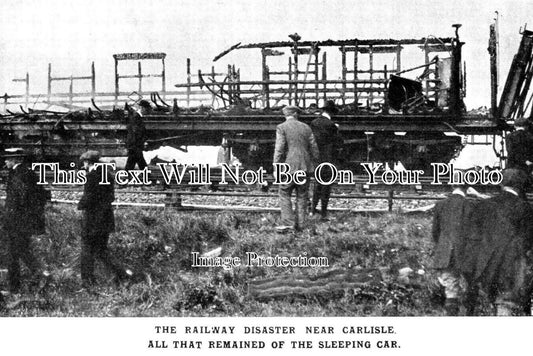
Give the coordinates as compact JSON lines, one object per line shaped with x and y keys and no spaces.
{"x":399,"y":58}
{"x":266,"y":78}
{"x":295,"y":77}
{"x":226,"y":149}
{"x":230,"y":86}
{"x":71,"y":91}
{"x":371,"y":70}
{"x":173,"y":200}
{"x":290,"y":80}
{"x":213,"y":76}
{"x":325,"y":77}
{"x":93,"y":81}
{"x":426,"y":58}
{"x":140,"y":77}
{"x":116,"y":81}
{"x":163,"y":78}
{"x":237,"y":77}
{"x":386,"y":91}
{"x":317,"y":93}
{"x":493,"y":51}
{"x":344,"y":70}
{"x":390,"y":199}
{"x":49,"y":81}
{"x":355,"y":76}
{"x":27,"y":89}
{"x":188,"y":82}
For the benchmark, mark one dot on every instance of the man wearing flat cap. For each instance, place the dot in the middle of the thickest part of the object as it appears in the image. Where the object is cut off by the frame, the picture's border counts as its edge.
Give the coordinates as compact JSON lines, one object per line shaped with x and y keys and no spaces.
{"x":98,"y":221}
{"x":504,"y":229}
{"x":328,"y":141}
{"x":296,"y":146}
{"x":519,"y":145}
{"x":24,"y":217}
{"x":136,"y":135}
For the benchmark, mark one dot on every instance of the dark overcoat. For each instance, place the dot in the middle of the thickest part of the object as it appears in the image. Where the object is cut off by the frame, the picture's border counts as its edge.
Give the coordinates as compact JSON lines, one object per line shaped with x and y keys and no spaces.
{"x":327,"y":138}
{"x":136,"y":132}
{"x":450,"y":222}
{"x":25,"y":201}
{"x":519,"y":145}
{"x":98,"y":217}
{"x":503,"y":226}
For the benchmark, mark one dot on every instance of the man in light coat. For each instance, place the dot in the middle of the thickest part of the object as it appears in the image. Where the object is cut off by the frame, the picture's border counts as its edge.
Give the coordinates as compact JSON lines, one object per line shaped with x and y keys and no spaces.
{"x":295,"y":146}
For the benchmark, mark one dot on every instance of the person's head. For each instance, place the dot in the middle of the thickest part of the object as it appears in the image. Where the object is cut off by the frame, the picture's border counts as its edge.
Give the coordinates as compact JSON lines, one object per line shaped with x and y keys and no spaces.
{"x":291,"y":111}
{"x":14,"y":156}
{"x":514,"y":178}
{"x":89,"y":158}
{"x":145,"y":107}
{"x":313,"y":109}
{"x":12,"y":161}
{"x":330,"y":107}
{"x":521,"y":122}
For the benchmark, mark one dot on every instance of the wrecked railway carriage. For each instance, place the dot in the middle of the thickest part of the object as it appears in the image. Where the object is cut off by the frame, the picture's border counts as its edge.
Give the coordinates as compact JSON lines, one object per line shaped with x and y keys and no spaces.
{"x":386,"y":112}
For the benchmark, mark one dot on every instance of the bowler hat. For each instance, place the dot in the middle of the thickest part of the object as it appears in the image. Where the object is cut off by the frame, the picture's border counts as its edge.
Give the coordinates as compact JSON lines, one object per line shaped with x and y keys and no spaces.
{"x":291,"y":110}
{"x":514,"y":178}
{"x":90,"y":156}
{"x":330,"y":107}
{"x":14,"y":153}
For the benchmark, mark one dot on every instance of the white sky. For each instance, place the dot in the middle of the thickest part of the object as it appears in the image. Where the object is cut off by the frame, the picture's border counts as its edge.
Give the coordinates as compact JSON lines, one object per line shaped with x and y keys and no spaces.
{"x":71,"y":34}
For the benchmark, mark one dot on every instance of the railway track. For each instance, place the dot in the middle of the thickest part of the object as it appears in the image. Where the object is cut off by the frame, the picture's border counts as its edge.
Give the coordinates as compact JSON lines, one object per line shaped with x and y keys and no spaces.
{"x":357,"y":198}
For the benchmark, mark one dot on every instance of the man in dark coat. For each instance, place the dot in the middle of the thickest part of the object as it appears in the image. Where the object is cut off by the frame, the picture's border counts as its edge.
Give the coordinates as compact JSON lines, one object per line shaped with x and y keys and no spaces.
{"x":450,"y":222}
{"x":504,"y":225}
{"x":519,"y":144}
{"x":24,"y":217}
{"x":98,"y":221}
{"x":295,"y":146}
{"x":328,"y":141}
{"x":136,"y":136}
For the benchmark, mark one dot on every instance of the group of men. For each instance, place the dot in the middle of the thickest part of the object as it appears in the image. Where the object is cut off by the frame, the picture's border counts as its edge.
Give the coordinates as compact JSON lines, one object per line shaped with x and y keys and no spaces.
{"x":25,"y":202}
{"x":303,"y":147}
{"x":487,"y":245}
{"x":24,"y":217}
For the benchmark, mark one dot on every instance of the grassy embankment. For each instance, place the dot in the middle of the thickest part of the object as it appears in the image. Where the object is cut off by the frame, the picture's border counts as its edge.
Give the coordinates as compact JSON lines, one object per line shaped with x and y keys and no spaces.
{"x":157,"y":244}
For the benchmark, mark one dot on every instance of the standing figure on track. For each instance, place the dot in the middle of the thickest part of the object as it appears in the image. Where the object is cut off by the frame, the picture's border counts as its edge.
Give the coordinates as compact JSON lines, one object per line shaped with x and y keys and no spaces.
{"x":295,"y":146}
{"x":328,"y":141}
{"x":98,"y":222}
{"x":24,"y":217}
{"x":519,"y":145}
{"x":136,"y":136}
{"x":450,"y":226}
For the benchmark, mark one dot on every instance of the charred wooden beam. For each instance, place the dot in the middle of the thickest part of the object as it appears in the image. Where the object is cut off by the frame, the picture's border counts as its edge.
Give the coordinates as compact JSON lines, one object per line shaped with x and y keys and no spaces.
{"x":437,"y":47}
{"x":375,"y":49}
{"x":223,"y":53}
{"x":374,"y":42}
{"x":139,"y":56}
{"x":274,"y":82}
